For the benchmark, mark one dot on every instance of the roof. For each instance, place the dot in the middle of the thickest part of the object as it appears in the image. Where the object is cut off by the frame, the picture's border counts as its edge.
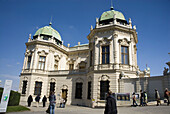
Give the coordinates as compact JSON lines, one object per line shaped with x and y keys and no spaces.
{"x":109,"y":15}
{"x":48,"y":30}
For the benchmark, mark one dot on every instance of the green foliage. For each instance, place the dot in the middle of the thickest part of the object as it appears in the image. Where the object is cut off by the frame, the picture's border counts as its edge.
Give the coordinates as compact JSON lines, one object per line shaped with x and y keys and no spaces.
{"x":14,"y":97}
{"x":17,"y":108}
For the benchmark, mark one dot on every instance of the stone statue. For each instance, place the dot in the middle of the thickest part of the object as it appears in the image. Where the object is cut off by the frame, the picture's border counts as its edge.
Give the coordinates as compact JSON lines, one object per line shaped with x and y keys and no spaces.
{"x":165,"y":72}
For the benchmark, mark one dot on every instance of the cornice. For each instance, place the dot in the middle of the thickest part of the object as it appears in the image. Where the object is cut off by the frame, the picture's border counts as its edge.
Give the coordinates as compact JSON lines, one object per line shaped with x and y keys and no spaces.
{"x":113,"y":27}
{"x":35,"y":42}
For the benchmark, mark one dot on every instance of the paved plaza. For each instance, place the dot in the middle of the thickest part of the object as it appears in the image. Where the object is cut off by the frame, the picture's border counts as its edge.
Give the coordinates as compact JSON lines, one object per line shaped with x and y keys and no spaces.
{"x":151,"y":109}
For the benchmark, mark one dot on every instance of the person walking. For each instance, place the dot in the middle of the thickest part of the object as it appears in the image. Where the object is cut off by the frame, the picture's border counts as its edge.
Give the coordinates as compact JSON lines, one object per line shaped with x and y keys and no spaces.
{"x":52,"y":99}
{"x":37,"y":99}
{"x":134,"y":99}
{"x":167,"y":95}
{"x":141,"y":97}
{"x":44,"y":100}
{"x":145,"y":98}
{"x":157,"y":97}
{"x":29,"y":100}
{"x":110,"y":107}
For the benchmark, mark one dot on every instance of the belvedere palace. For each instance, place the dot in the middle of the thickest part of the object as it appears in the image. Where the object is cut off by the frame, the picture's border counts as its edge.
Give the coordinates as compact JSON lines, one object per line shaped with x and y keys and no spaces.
{"x":85,"y":72}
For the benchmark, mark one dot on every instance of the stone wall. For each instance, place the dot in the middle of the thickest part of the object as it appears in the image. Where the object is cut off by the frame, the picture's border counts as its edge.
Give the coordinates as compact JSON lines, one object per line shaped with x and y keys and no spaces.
{"x":148,"y":84}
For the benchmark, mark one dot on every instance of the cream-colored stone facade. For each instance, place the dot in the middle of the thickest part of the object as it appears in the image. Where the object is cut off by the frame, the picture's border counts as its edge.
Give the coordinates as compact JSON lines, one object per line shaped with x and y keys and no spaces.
{"x":86,"y":61}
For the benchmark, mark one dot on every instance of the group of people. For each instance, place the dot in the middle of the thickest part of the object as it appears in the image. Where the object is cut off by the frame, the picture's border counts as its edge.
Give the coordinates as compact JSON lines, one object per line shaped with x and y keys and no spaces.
{"x":52,"y":102}
{"x":144,"y":98}
{"x":110,"y":108}
{"x":37,"y":99}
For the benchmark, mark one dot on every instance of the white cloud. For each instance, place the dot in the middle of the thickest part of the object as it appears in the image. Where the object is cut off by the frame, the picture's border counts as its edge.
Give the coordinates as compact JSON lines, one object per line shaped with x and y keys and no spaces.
{"x":18,"y":63}
{"x":8,"y":76}
{"x":9,"y":65}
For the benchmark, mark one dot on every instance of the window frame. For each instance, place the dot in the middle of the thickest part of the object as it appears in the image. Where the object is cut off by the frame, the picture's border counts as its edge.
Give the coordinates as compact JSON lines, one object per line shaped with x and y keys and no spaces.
{"x":24,"y":86}
{"x":79,"y":90}
{"x":106,"y":54}
{"x":29,"y":58}
{"x":125,"y":55}
{"x":89,"y":90}
{"x":41,"y":61}
{"x":37,"y":90}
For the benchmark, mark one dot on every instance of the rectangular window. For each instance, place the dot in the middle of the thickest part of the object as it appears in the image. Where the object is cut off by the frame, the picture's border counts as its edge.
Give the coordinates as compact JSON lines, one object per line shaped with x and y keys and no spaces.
{"x":105,"y":55}
{"x":29,"y":62}
{"x":91,"y":57}
{"x":104,"y":88}
{"x":24,"y":87}
{"x":41,"y":64}
{"x":71,"y":66}
{"x":38,"y":87}
{"x":52,"y":86}
{"x":124,"y":55}
{"x":89,"y":91}
{"x":78,"y":91}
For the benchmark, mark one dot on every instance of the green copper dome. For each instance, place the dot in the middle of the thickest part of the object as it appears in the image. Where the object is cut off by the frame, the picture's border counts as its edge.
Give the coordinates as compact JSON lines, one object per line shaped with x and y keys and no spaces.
{"x":49,"y":31}
{"x":109,"y":15}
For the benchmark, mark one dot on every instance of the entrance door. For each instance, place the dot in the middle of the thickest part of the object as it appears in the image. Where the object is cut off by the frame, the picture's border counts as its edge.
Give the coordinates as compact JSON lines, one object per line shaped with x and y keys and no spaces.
{"x":64,"y":94}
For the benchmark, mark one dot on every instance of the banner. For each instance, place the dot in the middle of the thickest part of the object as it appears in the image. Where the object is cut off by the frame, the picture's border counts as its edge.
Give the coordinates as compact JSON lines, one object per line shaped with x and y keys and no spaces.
{"x":5,"y":95}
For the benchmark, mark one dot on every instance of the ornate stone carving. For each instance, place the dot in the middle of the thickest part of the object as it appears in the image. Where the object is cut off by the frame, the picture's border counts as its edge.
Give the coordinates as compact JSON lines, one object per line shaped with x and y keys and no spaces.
{"x":39,"y":79}
{"x":52,"y":80}
{"x":105,"y":41}
{"x":79,"y":80}
{"x":42,"y":53}
{"x":124,"y":42}
{"x":64,"y":87}
{"x":104,"y":78}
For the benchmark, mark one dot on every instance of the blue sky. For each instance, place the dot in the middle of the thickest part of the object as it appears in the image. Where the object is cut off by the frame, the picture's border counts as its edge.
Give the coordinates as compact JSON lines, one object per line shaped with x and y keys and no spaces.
{"x":73,"y":18}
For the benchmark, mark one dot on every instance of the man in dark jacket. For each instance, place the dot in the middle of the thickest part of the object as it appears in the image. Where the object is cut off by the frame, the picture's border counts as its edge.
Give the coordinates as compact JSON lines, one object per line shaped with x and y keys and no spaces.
{"x":110,"y":107}
{"x":29,"y":100}
{"x":44,"y":100}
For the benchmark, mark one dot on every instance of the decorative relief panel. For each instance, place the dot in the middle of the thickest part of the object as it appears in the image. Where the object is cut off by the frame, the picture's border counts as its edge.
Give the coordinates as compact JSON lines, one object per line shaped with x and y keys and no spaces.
{"x":104,"y":78}
{"x":52,"y":80}
{"x":124,"y":42}
{"x":105,"y":41}
{"x":79,"y":80}
{"x":42,"y":53}
{"x":64,"y":87}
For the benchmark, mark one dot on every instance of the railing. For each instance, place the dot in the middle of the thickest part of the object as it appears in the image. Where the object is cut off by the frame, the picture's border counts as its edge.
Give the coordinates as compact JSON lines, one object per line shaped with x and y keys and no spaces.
{"x":56,"y":72}
{"x":65,"y":72}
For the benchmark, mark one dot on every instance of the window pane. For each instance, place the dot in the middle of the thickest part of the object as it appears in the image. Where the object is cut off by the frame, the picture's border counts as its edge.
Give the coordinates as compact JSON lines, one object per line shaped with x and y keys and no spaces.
{"x":122,"y":49}
{"x":103,"y":58}
{"x":103,"y":49}
{"x":42,"y":66}
{"x":122,"y":57}
{"x":43,"y":59}
{"x":39,"y":66}
{"x":52,"y":86}
{"x":126,"y":59}
{"x":107,"y":58}
{"x":38,"y":86}
{"x":78,"y":90}
{"x":107,"y":49}
{"x":24,"y":87}
{"x":126,"y":49}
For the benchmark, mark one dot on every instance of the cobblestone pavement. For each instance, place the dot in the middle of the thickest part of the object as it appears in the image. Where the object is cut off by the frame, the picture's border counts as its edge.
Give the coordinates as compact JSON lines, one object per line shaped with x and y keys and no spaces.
{"x":152,"y":109}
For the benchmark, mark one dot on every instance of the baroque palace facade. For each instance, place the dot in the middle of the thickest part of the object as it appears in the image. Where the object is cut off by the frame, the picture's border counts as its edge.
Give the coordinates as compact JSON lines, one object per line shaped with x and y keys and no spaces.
{"x":85,"y":71}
